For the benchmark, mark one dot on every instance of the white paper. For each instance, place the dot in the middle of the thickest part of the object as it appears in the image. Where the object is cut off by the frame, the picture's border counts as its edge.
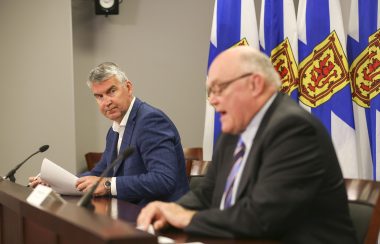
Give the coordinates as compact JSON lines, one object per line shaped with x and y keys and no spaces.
{"x":163,"y":239}
{"x":59,"y":179}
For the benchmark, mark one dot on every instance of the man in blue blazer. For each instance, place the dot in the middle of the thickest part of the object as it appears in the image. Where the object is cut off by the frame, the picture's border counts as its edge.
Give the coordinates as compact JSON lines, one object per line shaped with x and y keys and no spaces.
{"x":156,"y":169}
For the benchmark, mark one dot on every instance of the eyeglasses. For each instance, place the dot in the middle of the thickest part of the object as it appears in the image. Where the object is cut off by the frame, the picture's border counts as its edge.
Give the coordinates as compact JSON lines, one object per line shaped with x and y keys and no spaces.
{"x":217,"y":89}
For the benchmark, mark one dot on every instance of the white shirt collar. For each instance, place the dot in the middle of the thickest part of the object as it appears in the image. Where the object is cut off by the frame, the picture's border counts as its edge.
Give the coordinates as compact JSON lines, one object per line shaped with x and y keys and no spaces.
{"x":116,"y":126}
{"x":250,"y":132}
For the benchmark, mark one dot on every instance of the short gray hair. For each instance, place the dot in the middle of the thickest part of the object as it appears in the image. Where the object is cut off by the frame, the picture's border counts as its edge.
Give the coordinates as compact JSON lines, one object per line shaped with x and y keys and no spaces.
{"x":104,"y":71}
{"x":256,"y":62}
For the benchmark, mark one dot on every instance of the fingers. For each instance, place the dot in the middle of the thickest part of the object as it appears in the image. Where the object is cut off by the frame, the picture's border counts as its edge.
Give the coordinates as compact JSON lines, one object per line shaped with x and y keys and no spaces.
{"x":31,"y":181}
{"x":159,"y":224}
{"x":144,"y":218}
{"x":151,"y":215}
{"x":80,"y":181}
{"x":85,"y":183}
{"x":34,"y":181}
{"x":176,"y":215}
{"x":84,"y":186}
{"x":160,"y":214}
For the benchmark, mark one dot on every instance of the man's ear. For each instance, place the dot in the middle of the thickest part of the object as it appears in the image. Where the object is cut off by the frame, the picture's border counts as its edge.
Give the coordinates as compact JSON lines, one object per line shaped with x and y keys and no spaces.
{"x":256,"y":84}
{"x":129,"y":85}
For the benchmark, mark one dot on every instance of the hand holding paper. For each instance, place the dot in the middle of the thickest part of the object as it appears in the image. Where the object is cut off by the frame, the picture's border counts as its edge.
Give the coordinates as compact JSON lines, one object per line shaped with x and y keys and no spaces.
{"x":59,"y":179}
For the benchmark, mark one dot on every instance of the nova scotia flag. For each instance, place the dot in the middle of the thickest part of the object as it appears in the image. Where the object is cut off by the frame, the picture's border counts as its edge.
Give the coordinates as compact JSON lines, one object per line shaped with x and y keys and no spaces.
{"x":324,"y":76}
{"x":363,"y":50}
{"x":234,"y":23}
{"x":279,"y":40}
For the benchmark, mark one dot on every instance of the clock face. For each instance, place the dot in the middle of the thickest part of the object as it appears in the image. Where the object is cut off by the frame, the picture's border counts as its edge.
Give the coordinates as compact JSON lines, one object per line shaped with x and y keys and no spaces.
{"x":107,"y":3}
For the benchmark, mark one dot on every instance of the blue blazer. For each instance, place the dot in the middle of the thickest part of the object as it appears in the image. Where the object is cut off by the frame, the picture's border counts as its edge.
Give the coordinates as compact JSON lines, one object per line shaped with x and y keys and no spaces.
{"x":156,"y":170}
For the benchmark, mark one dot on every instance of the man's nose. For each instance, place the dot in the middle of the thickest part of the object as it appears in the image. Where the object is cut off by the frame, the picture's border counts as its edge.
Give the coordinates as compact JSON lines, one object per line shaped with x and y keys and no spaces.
{"x":107,"y":100}
{"x":212,"y":99}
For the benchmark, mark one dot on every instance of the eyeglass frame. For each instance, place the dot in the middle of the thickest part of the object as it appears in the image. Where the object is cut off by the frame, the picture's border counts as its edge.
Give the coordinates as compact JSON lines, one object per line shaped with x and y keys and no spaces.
{"x":223,"y":85}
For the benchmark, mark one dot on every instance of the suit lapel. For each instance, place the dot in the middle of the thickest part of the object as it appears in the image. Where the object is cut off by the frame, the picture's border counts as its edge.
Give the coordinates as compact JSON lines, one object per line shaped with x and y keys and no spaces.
{"x":115,"y":138}
{"x":128,"y":132}
{"x":252,"y":165}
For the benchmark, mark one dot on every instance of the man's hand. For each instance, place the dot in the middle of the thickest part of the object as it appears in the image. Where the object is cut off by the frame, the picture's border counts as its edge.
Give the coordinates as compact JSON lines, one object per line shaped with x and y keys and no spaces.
{"x":34,"y":181}
{"x":160,"y":214}
{"x":85,"y":183}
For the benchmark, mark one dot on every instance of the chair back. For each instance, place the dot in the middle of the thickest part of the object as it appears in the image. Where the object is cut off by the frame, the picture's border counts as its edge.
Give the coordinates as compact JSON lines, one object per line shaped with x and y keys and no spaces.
{"x":199,"y":168}
{"x":364,"y":204}
{"x":198,"y":171}
{"x":92,"y":158}
{"x":192,"y":153}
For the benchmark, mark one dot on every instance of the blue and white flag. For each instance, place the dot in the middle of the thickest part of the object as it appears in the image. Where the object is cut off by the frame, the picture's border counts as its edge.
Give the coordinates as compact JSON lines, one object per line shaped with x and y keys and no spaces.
{"x":363,"y":51}
{"x":279,"y":40}
{"x":324,"y":76}
{"x":234,"y":24}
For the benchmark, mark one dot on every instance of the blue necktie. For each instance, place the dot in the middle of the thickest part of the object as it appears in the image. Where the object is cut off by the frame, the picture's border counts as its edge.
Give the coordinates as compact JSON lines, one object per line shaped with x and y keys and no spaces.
{"x":237,"y":158}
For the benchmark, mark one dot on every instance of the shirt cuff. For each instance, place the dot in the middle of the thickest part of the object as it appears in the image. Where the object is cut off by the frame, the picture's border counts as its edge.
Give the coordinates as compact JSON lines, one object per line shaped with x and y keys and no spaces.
{"x":113,"y":186}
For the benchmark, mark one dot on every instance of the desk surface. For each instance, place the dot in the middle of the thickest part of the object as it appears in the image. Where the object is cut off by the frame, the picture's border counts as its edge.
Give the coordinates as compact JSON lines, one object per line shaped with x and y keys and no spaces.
{"x":113,"y":221}
{"x":122,"y":210}
{"x":57,"y":223}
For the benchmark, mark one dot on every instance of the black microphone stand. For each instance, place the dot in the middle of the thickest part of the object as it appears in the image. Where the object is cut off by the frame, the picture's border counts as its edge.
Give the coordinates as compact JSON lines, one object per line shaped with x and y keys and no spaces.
{"x":85,"y":200}
{"x":11,"y":174}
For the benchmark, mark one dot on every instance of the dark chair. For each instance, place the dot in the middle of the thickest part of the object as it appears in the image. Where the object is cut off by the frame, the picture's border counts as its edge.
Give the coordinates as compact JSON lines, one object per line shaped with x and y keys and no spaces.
{"x":92,"y":158}
{"x":192,"y":153}
{"x":364,"y":204}
{"x":197,"y":172}
{"x":199,"y":168}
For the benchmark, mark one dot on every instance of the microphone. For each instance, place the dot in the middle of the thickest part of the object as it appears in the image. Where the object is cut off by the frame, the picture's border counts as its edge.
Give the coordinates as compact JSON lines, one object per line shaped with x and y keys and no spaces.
{"x":11,"y":174}
{"x":85,"y":200}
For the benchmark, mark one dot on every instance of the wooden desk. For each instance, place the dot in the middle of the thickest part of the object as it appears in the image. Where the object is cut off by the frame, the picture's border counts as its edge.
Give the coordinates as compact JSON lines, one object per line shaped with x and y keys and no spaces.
{"x":128,"y":212}
{"x":21,"y":222}
{"x":113,"y":221}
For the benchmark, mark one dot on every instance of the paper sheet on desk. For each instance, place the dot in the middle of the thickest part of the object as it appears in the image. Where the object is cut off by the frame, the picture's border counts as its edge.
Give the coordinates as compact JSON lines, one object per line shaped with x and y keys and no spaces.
{"x":60,"y":180}
{"x":163,"y":239}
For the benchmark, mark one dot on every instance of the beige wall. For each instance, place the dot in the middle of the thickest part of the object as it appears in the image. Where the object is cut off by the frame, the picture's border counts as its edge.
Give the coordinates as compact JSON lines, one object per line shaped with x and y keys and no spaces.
{"x":163,"y":47}
{"x":37,"y":96}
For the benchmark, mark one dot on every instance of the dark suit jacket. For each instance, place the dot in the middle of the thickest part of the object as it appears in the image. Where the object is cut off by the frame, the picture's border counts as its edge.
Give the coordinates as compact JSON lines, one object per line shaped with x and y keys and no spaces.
{"x":156,"y":169}
{"x":291,"y":187}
